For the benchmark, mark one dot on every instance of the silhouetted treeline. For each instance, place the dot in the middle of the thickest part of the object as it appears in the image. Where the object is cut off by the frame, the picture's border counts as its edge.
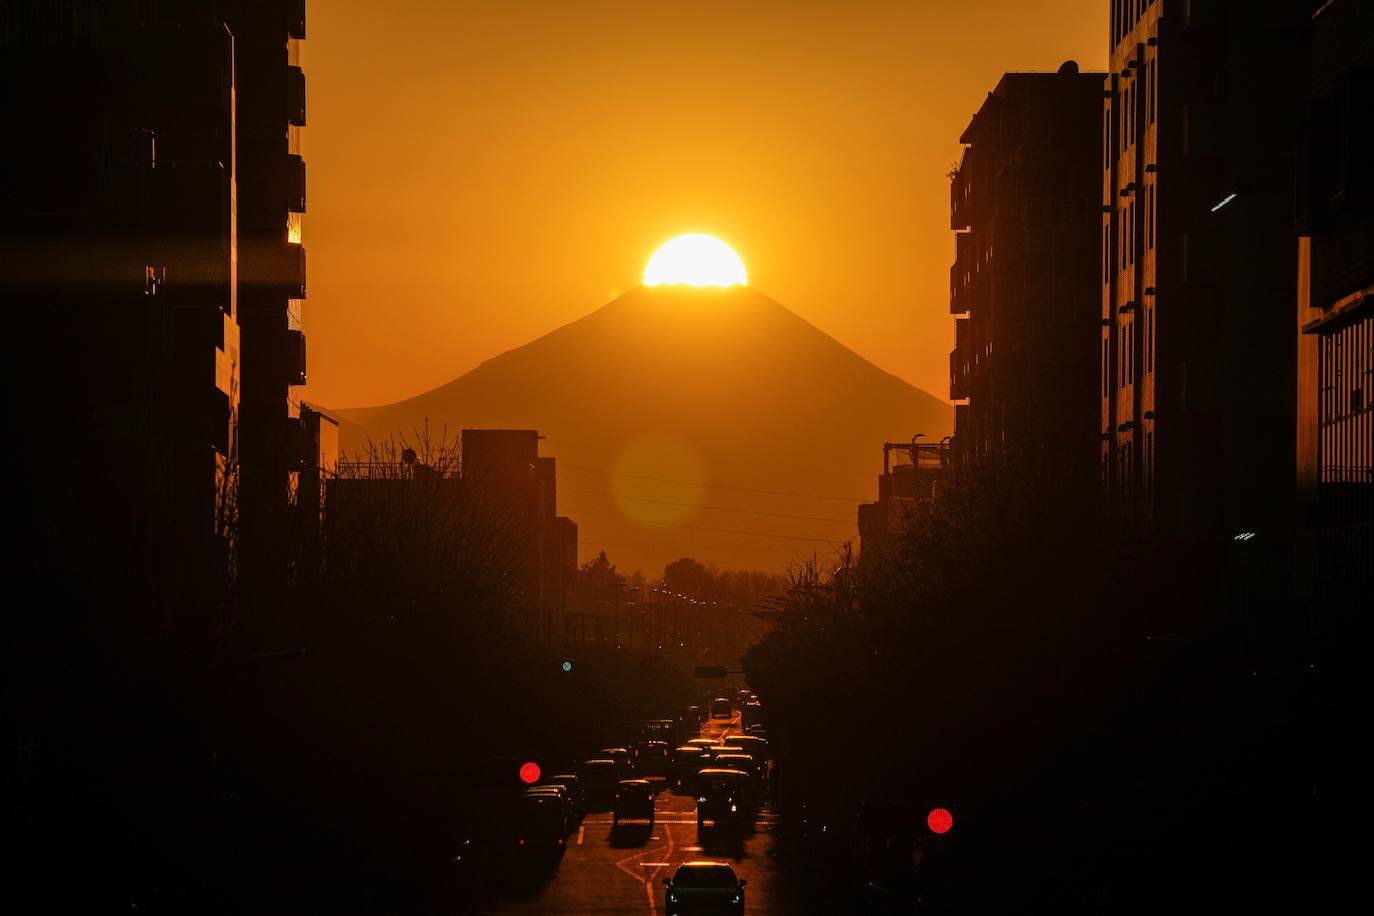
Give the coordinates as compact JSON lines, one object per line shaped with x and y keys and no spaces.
{"x":1113,"y":722}
{"x":737,"y":587}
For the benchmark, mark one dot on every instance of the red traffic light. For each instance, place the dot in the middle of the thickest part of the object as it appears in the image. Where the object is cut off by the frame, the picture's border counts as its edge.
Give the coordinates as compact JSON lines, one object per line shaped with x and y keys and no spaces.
{"x":939,"y":820}
{"x":529,"y":773}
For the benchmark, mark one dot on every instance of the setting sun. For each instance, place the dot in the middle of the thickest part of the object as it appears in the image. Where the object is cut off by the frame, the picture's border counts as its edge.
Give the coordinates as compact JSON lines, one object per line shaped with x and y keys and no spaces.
{"x":695,"y":260}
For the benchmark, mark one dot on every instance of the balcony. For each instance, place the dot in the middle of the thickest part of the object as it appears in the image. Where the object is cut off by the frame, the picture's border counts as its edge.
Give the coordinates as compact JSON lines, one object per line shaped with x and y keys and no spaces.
{"x":272,"y":268}
{"x":295,"y":18}
{"x":293,"y":360}
{"x":958,"y":378}
{"x":295,"y":184}
{"x":295,"y":96}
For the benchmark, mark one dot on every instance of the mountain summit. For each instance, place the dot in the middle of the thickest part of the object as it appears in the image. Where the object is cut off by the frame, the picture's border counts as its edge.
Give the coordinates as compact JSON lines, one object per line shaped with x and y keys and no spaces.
{"x":705,"y":422}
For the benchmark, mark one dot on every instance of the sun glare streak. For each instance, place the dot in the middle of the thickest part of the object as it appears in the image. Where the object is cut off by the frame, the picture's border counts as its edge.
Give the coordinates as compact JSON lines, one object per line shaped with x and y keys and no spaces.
{"x":695,"y":260}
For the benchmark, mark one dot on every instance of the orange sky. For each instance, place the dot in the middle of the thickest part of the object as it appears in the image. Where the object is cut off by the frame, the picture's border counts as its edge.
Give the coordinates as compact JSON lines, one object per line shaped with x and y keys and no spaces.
{"x":483,"y":173}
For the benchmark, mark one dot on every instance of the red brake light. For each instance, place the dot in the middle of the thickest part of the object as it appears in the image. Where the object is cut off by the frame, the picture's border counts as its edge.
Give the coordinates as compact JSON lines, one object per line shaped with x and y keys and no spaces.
{"x":522,"y":841}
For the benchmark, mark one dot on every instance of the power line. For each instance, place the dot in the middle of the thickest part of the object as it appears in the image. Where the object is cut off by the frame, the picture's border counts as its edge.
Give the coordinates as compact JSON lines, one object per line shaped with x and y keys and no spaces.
{"x":760,"y":534}
{"x":686,"y":548}
{"x":666,"y":502}
{"x":715,"y":486}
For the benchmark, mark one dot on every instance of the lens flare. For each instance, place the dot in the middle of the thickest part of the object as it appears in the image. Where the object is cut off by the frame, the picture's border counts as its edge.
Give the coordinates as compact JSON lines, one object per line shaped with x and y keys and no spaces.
{"x":695,"y":260}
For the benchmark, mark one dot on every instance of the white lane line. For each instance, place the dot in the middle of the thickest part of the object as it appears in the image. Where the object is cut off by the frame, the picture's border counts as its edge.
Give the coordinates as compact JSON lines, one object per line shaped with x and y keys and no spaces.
{"x":649,"y":878}
{"x":654,"y":864}
{"x":580,"y":831}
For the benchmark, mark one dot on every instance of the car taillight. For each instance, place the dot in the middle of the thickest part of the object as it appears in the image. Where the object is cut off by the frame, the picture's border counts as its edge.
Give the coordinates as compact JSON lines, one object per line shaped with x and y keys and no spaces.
{"x":522,"y":841}
{"x":560,"y":841}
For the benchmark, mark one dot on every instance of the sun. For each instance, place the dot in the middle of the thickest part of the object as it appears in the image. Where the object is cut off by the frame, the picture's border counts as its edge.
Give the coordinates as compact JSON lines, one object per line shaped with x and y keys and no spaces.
{"x":695,"y":260}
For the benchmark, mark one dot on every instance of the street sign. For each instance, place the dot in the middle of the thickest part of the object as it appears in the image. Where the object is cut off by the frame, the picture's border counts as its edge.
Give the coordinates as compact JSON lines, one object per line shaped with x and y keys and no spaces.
{"x":710,"y":671}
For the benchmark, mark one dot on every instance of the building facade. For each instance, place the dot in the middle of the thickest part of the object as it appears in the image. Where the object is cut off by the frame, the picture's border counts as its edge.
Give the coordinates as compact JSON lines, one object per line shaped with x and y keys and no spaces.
{"x":271,"y":268}
{"x":912,"y":474}
{"x":1335,"y":419}
{"x":1024,"y":206}
{"x":1335,"y":222}
{"x":510,"y":477}
{"x":1196,"y":140}
{"x":118,"y":224}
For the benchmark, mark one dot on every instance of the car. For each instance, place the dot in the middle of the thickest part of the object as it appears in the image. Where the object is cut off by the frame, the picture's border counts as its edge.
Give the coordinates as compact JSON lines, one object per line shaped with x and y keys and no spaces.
{"x":756,"y":730}
{"x":651,"y":758}
{"x":658,"y":730}
{"x":722,"y":798}
{"x":540,"y":824}
{"x":559,"y":792}
{"x":751,"y":713}
{"x":745,"y":764}
{"x":753,"y":745}
{"x":721,"y":708}
{"x":634,"y":801}
{"x":694,"y":713}
{"x":703,"y":887}
{"x":736,"y":760}
{"x":624,"y":763}
{"x":715,"y":750}
{"x":704,"y":742}
{"x":576,"y":795}
{"x":599,"y":776}
{"x":686,"y":761}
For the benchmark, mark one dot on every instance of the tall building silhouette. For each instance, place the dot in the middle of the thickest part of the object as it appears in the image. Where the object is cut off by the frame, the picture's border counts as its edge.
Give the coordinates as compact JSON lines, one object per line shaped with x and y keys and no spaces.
{"x":1335,"y":199}
{"x":118,"y":205}
{"x":519,"y":485}
{"x":1196,"y":347}
{"x":271,"y":201}
{"x":1335,"y":428}
{"x":1024,"y":205}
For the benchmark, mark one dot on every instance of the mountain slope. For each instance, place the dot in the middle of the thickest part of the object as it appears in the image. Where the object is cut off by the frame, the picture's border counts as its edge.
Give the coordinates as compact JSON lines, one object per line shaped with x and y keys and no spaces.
{"x":694,"y":387}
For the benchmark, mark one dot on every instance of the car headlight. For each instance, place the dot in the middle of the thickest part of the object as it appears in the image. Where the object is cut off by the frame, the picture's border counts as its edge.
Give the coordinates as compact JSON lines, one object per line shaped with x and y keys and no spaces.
{"x":736,"y":900}
{"x":733,"y":808}
{"x":672,"y":898}
{"x":702,"y":799}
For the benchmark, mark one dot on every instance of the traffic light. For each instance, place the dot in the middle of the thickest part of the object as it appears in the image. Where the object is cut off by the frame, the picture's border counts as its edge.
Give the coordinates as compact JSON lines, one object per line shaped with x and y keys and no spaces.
{"x":529,"y":773}
{"x":939,"y":821}
{"x":567,"y":665}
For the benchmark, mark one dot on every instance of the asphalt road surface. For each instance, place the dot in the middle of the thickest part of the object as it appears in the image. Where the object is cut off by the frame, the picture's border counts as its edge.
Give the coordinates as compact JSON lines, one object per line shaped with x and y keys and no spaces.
{"x":599,"y":874}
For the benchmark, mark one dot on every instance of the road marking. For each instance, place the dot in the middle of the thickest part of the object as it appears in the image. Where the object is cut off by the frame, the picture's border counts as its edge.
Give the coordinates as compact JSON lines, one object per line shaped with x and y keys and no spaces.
{"x":665,"y":852}
{"x":580,"y":831}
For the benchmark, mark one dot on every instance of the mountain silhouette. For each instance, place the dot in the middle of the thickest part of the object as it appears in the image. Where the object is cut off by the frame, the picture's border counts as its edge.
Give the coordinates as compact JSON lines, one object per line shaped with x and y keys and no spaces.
{"x":682,"y":417}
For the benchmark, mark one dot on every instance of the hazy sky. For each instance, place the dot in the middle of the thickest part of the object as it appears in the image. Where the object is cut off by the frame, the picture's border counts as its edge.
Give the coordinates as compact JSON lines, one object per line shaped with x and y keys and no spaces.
{"x":481,"y":173}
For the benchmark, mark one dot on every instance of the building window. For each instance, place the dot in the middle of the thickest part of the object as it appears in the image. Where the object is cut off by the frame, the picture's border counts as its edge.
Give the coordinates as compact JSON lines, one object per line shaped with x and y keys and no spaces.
{"x":1149,"y":340}
{"x":1152,"y":101}
{"x":1106,"y":369}
{"x":1126,"y":119}
{"x":1151,"y":209}
{"x":1106,"y":254}
{"x":1121,"y":235}
{"x":1107,"y":138}
{"x":1130,"y":232}
{"x":1149,"y":462}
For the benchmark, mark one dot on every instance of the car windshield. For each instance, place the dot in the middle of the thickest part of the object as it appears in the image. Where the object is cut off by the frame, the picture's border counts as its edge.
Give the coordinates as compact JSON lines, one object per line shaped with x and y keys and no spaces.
{"x":705,"y":876}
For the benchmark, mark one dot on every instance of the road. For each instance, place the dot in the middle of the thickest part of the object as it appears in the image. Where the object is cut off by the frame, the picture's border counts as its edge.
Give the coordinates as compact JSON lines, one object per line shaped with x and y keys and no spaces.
{"x":625,"y":875}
